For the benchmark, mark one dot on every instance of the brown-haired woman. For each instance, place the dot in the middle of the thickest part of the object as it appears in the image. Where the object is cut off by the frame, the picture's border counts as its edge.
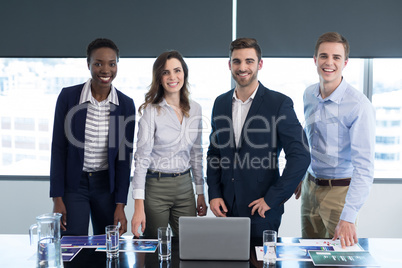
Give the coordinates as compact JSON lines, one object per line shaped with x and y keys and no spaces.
{"x":168,"y":151}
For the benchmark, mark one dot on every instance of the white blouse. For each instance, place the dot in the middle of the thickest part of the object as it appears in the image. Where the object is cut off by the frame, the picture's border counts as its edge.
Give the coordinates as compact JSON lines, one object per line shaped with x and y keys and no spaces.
{"x":165,"y":145}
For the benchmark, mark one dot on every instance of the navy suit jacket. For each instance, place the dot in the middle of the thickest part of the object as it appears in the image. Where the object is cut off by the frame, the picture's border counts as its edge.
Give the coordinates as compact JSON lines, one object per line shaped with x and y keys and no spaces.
{"x":244,"y":173}
{"x":67,"y":158}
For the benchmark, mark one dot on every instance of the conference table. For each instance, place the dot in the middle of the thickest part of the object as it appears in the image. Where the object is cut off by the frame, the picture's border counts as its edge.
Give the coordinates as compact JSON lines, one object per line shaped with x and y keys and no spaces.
{"x":15,"y":252}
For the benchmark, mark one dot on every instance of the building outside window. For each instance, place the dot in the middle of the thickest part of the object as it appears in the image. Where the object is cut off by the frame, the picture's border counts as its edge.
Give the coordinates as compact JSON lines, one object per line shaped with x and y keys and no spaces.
{"x":29,"y":89}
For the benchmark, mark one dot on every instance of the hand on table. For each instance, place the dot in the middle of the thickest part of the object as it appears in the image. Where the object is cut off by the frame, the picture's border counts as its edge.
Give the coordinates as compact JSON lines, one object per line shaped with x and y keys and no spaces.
{"x":138,"y":217}
{"x":346,"y":232}
{"x":120,"y":216}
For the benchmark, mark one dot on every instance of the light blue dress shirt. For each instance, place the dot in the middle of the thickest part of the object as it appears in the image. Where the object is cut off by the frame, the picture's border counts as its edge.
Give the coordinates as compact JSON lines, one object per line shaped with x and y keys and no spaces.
{"x":341,"y":133}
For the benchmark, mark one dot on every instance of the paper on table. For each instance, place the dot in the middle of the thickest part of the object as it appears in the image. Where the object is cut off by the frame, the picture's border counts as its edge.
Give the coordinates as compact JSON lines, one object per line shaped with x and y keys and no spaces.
{"x":135,"y":245}
{"x":350,"y":258}
{"x":68,"y":254}
{"x":292,"y":251}
{"x":83,"y":241}
{"x":329,"y":243}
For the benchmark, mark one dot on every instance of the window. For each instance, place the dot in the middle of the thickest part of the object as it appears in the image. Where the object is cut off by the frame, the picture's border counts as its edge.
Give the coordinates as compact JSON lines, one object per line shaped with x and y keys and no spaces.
{"x":387,"y":156}
{"x":29,"y":89}
{"x":387,"y":140}
{"x":387,"y":96}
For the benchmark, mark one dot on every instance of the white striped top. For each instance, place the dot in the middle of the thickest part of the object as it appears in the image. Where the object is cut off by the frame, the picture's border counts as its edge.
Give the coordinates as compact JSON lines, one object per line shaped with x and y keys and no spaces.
{"x":97,"y":129}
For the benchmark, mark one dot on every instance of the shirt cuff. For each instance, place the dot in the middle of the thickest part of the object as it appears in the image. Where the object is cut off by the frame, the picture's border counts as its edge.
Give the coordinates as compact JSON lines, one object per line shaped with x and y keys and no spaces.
{"x":138,"y":194}
{"x":348,"y":215}
{"x":199,"y":189}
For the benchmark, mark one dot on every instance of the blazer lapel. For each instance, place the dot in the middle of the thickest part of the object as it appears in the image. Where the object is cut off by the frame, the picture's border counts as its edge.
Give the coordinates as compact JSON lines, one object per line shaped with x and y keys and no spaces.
{"x":115,"y":137}
{"x":78,"y":123}
{"x":229,"y":114}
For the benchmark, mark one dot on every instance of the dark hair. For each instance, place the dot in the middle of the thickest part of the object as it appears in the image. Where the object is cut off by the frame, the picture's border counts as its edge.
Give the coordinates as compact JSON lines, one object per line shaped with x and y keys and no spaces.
{"x":99,"y":43}
{"x":240,"y":43}
{"x":332,"y":37}
{"x":156,"y":92}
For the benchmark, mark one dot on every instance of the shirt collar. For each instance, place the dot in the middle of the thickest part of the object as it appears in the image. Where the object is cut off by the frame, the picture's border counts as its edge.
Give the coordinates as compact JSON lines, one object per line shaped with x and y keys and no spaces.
{"x":163,"y":102}
{"x":235,"y":98}
{"x":86,"y":94}
{"x":335,"y":96}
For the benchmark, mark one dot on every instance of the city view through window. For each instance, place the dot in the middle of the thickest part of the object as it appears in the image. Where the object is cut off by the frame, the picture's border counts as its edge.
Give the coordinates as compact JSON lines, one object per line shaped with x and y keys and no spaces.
{"x":29,"y":88}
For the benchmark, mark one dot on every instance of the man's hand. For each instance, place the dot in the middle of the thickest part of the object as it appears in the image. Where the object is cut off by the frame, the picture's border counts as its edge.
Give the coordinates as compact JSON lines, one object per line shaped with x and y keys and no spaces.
{"x":59,"y":207}
{"x":138,"y":217}
{"x":120,"y":216}
{"x":298,"y":190}
{"x":259,"y":205}
{"x":218,"y":207}
{"x":346,"y":232}
{"x":202,"y":207}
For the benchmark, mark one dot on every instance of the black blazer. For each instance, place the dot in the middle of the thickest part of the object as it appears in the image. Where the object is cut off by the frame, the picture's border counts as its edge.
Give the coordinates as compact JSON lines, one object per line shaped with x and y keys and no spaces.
{"x":67,"y":158}
{"x":250,"y":171}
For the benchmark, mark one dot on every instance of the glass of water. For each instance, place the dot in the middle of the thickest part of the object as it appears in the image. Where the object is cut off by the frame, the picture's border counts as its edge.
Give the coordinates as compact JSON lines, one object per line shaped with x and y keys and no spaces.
{"x":269,"y":242}
{"x":112,"y":241}
{"x":164,"y":243}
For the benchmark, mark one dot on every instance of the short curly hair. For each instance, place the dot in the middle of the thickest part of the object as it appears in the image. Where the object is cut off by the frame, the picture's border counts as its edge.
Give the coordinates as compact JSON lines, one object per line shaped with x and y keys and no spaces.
{"x":99,"y":43}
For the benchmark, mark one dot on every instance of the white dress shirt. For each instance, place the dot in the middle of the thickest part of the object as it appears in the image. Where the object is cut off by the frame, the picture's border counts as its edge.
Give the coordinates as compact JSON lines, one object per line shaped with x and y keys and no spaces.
{"x":239,"y":113}
{"x":165,"y":145}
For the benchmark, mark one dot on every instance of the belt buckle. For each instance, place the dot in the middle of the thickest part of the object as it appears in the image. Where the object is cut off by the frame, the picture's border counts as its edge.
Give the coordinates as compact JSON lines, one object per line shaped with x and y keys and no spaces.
{"x":176,"y":174}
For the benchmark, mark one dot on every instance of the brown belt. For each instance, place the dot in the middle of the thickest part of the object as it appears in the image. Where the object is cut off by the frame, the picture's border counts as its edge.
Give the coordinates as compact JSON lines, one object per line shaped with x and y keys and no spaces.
{"x":329,"y":182}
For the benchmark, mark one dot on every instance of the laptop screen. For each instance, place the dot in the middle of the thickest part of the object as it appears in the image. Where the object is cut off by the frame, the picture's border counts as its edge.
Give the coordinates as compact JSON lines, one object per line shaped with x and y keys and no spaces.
{"x":214,"y":238}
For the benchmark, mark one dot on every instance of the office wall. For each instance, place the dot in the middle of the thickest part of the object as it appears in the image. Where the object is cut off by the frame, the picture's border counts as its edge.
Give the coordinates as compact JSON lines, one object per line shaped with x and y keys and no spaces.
{"x":284,"y":28}
{"x":381,"y":216}
{"x":289,"y":28}
{"x":63,"y":28}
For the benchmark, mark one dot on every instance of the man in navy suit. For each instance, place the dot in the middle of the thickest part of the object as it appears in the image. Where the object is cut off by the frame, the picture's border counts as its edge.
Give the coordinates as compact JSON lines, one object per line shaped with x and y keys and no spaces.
{"x":92,"y":147}
{"x":250,"y":126}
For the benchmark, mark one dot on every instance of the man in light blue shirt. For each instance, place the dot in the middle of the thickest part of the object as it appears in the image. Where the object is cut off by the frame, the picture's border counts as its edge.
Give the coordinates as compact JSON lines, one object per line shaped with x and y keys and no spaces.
{"x":340,"y":127}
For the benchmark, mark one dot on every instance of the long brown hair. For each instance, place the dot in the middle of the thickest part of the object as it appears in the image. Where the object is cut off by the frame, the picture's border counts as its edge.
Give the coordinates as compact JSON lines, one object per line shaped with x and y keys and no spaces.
{"x":156,"y":92}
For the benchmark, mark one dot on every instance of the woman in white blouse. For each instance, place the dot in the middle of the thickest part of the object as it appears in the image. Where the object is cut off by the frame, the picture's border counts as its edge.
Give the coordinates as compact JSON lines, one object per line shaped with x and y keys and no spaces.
{"x":168,"y":151}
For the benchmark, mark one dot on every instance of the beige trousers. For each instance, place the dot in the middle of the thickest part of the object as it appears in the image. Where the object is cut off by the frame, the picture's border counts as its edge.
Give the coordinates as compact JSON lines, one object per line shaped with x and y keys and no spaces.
{"x":321,"y":208}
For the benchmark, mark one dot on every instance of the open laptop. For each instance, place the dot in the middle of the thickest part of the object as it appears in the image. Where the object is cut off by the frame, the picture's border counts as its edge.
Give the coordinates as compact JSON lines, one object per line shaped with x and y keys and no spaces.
{"x":213,"y":238}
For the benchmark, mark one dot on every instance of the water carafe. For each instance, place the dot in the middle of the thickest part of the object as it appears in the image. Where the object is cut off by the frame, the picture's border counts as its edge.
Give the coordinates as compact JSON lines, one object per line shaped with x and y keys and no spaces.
{"x":49,"y":247}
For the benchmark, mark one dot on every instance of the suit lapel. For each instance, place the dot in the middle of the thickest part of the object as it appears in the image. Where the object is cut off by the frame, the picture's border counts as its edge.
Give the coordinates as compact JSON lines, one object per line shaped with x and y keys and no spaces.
{"x":229,"y":114}
{"x":115,"y":136}
{"x":78,"y":122}
{"x":228,"y":103}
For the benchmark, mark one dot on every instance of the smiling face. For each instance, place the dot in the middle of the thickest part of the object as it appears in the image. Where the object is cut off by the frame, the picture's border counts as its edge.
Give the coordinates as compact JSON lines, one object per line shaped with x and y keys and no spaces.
{"x":103,"y":68}
{"x":172,"y":76}
{"x":244,"y":65}
{"x":330,"y":62}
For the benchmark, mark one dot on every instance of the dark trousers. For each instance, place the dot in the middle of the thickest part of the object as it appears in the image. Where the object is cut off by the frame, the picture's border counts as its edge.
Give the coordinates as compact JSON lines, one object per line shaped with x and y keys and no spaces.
{"x":271,"y":221}
{"x":92,"y":199}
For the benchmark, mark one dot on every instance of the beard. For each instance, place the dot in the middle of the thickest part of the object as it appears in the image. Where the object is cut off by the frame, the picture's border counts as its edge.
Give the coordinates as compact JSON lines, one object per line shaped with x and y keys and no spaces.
{"x":244,"y":82}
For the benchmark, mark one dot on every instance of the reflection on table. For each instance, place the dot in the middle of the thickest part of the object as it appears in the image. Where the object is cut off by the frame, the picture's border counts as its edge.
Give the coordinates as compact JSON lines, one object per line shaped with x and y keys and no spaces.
{"x":15,"y":251}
